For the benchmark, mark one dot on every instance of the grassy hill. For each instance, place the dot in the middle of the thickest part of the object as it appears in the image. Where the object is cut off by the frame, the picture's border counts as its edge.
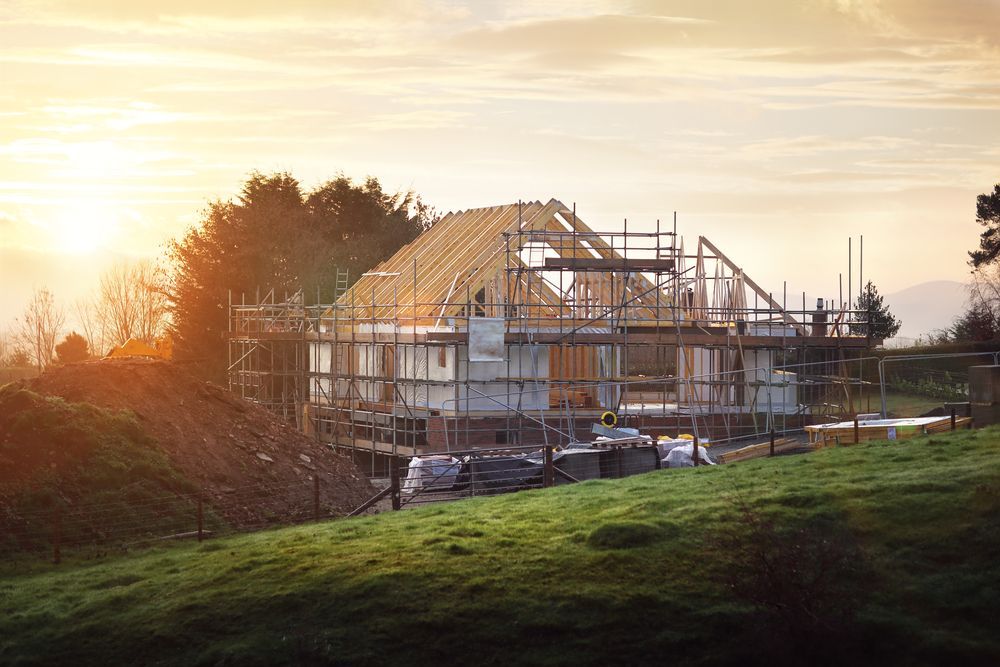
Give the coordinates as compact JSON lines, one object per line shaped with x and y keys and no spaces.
{"x":53,"y":451}
{"x":884,"y":552}
{"x":118,"y":451}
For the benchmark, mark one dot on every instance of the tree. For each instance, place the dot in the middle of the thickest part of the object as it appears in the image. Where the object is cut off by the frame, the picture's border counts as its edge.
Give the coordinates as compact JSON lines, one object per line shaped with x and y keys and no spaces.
{"x":874,"y":318}
{"x":981,"y":319}
{"x":19,"y":358}
{"x":39,"y":326}
{"x":988,"y":215}
{"x":72,"y":349}
{"x":360,"y":226}
{"x":94,"y":329}
{"x":6,"y":347}
{"x":275,"y":236}
{"x":978,"y":323}
{"x":131,"y":303}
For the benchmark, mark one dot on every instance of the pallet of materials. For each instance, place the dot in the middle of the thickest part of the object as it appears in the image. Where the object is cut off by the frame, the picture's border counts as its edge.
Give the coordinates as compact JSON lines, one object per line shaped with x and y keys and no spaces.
{"x":760,"y":449}
{"x":842,"y":433}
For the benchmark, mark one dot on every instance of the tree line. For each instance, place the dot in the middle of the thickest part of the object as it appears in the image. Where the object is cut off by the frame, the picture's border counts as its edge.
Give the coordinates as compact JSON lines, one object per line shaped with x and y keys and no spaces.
{"x":130,"y":301}
{"x":981,"y":319}
{"x":274,"y":234}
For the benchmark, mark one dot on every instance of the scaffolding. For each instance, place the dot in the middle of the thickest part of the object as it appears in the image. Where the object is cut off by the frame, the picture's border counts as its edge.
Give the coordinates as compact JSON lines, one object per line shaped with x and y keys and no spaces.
{"x":520,"y":325}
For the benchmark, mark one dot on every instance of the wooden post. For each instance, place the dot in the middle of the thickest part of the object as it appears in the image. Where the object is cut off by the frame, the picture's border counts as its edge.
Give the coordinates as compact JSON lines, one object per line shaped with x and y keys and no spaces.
{"x":201,"y":521}
{"x":953,"y":418}
{"x":394,"y":484}
{"x":316,"y":497}
{"x":57,"y":533}
{"x":771,"y":453}
{"x":694,"y":452}
{"x":857,"y":430}
{"x":548,"y":476}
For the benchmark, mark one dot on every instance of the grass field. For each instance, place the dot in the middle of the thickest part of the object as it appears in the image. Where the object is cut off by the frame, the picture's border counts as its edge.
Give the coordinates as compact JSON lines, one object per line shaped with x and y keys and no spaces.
{"x":906,"y":405}
{"x":876,"y":553}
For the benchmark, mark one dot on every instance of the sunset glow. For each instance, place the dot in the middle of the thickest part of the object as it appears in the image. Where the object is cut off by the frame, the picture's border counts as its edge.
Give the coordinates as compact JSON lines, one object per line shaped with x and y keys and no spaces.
{"x":675,"y":323}
{"x":769,"y":124}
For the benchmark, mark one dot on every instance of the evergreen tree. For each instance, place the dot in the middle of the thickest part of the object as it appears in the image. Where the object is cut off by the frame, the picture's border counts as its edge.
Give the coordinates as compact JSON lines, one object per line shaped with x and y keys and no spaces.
{"x":19,"y":358}
{"x":275,"y":236}
{"x":72,"y":349}
{"x":988,"y":215}
{"x":977,"y":324}
{"x":874,"y":320}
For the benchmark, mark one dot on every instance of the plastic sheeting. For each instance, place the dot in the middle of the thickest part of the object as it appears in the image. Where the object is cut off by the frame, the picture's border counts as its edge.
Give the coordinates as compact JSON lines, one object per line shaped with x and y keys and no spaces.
{"x":681,"y":456}
{"x":486,"y":339}
{"x":664,"y":446}
{"x":431,"y":472}
{"x":499,"y":474}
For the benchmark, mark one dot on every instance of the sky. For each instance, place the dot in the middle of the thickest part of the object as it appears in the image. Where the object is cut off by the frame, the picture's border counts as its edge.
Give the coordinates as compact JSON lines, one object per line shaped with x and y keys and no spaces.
{"x":777,"y":129}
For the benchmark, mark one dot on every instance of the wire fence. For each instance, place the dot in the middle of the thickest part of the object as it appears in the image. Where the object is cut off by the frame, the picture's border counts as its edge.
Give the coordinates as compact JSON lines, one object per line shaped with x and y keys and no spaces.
{"x":55,"y":526}
{"x":458,"y":475}
{"x":49,"y":526}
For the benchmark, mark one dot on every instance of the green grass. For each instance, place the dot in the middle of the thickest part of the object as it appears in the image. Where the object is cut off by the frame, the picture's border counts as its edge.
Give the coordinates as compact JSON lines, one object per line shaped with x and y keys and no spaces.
{"x":91,"y":462}
{"x":875,"y":553}
{"x":905,"y":405}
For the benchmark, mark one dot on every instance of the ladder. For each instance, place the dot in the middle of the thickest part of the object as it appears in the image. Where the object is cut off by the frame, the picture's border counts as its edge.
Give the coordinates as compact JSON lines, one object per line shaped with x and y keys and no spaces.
{"x":341,"y":284}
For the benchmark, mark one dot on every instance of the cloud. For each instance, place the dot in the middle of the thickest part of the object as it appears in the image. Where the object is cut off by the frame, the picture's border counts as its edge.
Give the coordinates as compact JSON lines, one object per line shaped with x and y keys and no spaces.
{"x":237,"y":14}
{"x":605,"y":34}
{"x":421,"y":119}
{"x":779,"y":108}
{"x":815,"y":145}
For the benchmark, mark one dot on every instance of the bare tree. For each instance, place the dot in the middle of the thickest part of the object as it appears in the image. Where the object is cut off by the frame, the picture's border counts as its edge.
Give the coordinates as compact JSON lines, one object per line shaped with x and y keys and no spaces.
{"x":984,"y":289}
{"x":116,"y":303}
{"x":131,"y":303}
{"x":152,"y":300}
{"x":92,"y":324}
{"x":38,"y":328}
{"x":6,"y":347}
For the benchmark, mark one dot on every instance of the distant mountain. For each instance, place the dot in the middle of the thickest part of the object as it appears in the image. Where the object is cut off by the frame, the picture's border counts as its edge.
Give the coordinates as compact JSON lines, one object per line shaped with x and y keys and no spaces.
{"x":927,"y":307}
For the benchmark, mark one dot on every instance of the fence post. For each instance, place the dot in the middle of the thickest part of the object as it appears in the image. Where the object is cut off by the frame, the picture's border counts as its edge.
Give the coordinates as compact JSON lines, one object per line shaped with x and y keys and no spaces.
{"x":953,"y":418}
{"x":771,"y":452}
{"x":548,"y":473}
{"x":694,"y":452}
{"x":618,"y":460}
{"x":201,"y":521}
{"x":394,"y":484}
{"x":57,"y":533}
{"x":857,"y":431}
{"x":316,"y":497}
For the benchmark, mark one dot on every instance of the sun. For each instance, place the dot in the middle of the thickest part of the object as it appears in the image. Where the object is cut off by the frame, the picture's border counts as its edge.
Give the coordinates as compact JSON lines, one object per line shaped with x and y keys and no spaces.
{"x":83,"y":227}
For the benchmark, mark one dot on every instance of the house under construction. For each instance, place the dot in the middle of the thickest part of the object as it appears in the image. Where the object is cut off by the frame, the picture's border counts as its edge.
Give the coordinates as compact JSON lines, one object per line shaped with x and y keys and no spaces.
{"x":521,"y":325}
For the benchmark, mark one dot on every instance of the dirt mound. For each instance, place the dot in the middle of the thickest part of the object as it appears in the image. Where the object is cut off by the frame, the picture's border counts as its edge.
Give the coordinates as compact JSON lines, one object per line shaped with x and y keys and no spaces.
{"x":252,"y":467}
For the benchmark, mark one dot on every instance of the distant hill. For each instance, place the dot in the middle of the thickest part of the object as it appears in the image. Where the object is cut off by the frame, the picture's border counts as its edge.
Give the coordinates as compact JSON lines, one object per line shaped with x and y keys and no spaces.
{"x":927,"y":307}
